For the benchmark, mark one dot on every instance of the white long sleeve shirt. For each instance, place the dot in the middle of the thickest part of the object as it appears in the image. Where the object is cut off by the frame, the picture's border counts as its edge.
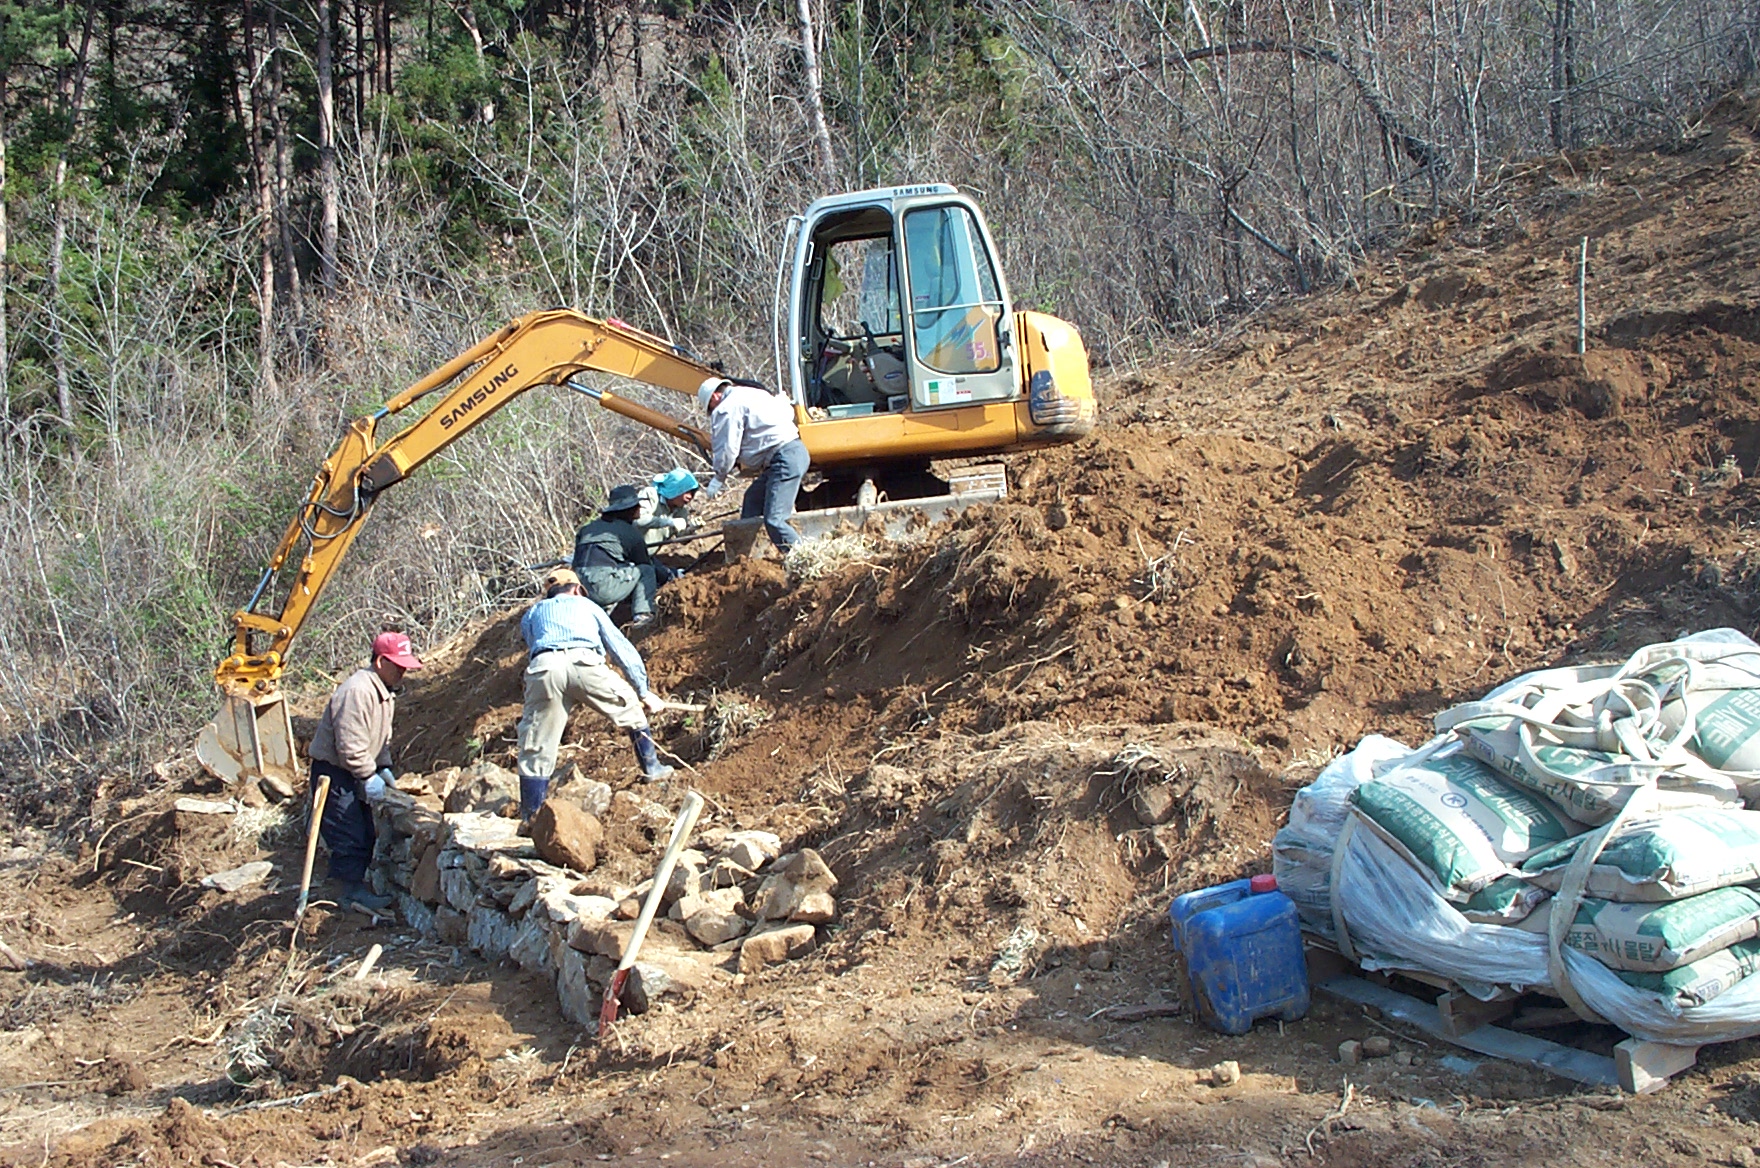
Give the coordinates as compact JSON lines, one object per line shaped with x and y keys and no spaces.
{"x":748,"y":427}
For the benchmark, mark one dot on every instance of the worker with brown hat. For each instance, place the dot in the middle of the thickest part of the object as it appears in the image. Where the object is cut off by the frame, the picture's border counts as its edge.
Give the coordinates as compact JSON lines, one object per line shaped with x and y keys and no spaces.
{"x":569,"y":638}
{"x":352,"y":747}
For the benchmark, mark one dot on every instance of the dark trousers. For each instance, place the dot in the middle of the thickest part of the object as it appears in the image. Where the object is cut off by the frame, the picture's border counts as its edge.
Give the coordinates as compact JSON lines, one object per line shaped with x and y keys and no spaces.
{"x":773,"y":493}
{"x":347,"y":826}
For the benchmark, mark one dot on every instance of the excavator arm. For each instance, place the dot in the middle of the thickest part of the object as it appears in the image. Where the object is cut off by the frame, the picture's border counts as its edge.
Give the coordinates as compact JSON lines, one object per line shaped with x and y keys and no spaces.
{"x":253,"y":737}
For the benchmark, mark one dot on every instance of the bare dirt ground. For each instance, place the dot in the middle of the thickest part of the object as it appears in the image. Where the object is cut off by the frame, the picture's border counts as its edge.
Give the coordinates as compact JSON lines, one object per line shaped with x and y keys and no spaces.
{"x":1351,"y":512}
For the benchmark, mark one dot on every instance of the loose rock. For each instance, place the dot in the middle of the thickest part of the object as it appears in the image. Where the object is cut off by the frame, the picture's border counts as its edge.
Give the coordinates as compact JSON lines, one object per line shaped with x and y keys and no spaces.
{"x":1100,"y":960}
{"x":774,"y":945}
{"x":814,"y":908}
{"x":450,"y":925}
{"x":567,"y":836}
{"x":1377,"y":1046}
{"x":711,"y":926}
{"x":484,"y":787}
{"x":1225,"y":1074}
{"x":1350,"y":1052}
{"x":242,"y":876}
{"x":1153,"y":805}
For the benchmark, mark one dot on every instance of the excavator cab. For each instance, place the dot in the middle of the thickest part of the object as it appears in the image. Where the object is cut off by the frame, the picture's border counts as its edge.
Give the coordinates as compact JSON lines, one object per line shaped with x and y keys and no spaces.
{"x":899,"y":344}
{"x":898,"y":305}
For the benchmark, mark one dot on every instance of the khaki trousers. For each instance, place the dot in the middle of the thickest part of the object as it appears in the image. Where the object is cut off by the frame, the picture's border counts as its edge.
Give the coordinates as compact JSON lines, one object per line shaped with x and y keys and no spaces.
{"x":555,"y":683}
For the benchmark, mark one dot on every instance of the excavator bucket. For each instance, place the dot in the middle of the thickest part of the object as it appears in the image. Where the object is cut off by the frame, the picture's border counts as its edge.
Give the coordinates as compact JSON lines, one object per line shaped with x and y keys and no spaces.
{"x":252,"y":739}
{"x":966,"y":486}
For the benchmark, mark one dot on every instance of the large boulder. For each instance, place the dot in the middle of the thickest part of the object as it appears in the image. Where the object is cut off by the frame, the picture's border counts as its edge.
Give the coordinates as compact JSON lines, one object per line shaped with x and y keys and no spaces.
{"x":567,"y":836}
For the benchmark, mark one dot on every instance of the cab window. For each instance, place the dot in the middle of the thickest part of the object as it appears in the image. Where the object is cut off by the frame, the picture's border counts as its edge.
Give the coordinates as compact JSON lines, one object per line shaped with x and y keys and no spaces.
{"x":955,"y":298}
{"x":860,"y":295}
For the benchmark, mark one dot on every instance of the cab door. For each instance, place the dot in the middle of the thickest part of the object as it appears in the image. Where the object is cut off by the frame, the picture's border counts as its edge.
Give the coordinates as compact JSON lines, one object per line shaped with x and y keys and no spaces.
{"x":960,"y":329}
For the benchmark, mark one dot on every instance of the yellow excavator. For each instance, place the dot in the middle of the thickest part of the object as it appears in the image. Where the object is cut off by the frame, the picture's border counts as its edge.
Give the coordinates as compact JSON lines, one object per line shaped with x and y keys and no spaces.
{"x":898,"y":345}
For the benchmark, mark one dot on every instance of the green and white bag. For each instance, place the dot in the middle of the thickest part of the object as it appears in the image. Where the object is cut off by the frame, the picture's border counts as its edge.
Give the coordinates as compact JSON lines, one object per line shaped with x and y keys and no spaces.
{"x":1504,"y":901}
{"x":1655,"y":938}
{"x":1702,"y":980}
{"x":1662,"y":857}
{"x":1454,"y":819}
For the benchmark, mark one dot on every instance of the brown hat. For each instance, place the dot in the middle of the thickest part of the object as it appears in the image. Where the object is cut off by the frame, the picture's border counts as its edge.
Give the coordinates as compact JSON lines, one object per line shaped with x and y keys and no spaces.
{"x":560,"y":578}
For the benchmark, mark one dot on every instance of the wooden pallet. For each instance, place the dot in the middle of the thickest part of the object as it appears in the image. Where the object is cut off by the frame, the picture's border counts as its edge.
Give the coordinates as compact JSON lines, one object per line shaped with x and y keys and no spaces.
{"x":1638,"y":1066}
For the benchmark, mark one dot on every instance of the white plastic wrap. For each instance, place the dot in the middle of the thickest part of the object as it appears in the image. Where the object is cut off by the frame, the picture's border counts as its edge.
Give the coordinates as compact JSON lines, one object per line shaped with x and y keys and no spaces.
{"x":1397,"y":921}
{"x":1301,"y":853}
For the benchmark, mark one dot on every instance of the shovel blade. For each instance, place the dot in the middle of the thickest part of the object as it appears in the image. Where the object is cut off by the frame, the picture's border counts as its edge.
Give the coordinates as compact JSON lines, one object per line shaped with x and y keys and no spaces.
{"x":613,"y":994}
{"x":251,"y":739}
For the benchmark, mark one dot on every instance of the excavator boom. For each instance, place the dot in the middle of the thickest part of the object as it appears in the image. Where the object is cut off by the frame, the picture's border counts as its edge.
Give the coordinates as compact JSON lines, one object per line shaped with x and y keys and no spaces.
{"x":253,"y":736}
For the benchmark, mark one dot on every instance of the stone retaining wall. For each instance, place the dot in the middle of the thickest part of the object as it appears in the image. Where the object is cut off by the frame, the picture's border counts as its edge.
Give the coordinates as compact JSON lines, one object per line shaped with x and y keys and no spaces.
{"x":467,"y":878}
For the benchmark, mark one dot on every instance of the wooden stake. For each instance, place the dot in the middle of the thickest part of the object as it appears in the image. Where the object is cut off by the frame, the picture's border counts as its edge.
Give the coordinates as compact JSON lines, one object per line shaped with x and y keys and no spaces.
{"x":1583,"y":298}
{"x":368,"y":962}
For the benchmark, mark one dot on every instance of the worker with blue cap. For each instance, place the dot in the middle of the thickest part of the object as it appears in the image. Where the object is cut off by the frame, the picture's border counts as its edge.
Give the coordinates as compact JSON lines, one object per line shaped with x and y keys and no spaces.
{"x":665,"y":512}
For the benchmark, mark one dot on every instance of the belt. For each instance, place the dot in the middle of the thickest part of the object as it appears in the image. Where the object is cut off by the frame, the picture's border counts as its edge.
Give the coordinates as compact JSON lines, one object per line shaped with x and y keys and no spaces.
{"x":537,"y":653}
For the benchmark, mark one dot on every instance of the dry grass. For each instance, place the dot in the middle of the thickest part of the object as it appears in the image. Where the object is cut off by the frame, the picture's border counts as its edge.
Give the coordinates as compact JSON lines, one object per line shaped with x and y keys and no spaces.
{"x":814,"y":558}
{"x":729,"y":719}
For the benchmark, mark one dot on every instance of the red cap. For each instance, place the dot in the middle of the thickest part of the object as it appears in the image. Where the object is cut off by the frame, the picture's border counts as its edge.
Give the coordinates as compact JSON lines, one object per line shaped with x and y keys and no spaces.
{"x":394,"y":647}
{"x":1263,"y":883}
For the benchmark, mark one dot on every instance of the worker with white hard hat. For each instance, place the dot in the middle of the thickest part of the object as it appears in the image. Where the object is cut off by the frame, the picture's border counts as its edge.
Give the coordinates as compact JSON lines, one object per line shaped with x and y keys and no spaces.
{"x":753,"y":430}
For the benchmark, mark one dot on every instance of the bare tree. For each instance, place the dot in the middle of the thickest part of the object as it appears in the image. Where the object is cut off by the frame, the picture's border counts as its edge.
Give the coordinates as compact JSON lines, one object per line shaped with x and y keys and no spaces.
{"x":255,"y":87}
{"x":71,"y":91}
{"x":815,"y":101}
{"x":327,"y":183}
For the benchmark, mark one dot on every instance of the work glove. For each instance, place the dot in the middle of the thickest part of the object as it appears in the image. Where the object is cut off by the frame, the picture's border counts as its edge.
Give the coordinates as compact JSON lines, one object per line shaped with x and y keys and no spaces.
{"x":714,"y":487}
{"x":374,"y":788}
{"x":653,"y":702}
{"x":680,"y":524}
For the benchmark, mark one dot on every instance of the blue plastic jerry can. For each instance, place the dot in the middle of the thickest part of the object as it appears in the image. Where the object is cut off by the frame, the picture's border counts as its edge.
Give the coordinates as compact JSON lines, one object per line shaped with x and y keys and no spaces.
{"x":1243,"y":947}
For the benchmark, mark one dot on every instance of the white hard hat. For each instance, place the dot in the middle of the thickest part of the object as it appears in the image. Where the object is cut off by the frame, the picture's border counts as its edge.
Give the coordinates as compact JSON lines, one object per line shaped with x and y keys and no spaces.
{"x":708,"y":389}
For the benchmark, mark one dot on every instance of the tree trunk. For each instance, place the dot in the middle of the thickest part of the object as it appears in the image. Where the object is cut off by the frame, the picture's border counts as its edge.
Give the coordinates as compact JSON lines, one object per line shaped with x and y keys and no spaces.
{"x":815,"y":103}
{"x":5,"y":351}
{"x":467,"y":16}
{"x":262,"y":176}
{"x":382,"y":44}
{"x":1563,"y":68}
{"x":72,"y":94}
{"x":328,"y":192}
{"x":360,"y":64}
{"x":278,"y":129}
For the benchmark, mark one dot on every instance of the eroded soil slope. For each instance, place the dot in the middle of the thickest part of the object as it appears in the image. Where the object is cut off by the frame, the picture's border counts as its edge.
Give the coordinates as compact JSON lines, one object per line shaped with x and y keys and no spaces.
{"x":1347,"y":513}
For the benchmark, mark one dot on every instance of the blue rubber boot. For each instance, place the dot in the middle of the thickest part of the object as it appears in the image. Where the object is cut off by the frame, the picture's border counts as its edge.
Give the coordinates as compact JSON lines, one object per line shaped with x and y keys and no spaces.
{"x":653,"y":769}
{"x":531,"y":796}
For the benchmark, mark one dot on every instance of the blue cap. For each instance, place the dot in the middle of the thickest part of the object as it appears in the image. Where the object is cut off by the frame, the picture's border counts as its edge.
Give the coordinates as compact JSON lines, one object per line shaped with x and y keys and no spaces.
{"x":675,"y":482}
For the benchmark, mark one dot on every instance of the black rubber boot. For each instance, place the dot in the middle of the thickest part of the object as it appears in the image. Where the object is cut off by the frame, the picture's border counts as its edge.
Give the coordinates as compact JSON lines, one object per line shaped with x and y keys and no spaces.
{"x":652,"y":768}
{"x":358,"y":897}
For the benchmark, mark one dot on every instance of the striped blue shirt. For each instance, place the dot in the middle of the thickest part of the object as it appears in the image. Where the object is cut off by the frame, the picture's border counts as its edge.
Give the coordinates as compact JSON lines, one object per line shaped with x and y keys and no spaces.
{"x":574,"y":622}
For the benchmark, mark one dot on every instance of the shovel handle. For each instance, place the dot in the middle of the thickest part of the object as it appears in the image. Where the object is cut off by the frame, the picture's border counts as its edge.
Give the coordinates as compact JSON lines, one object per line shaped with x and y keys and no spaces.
{"x":681,"y":831}
{"x":319,"y":797}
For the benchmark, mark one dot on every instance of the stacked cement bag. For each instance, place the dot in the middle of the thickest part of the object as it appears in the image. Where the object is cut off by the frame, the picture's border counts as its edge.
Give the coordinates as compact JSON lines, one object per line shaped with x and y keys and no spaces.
{"x":1578,"y":831}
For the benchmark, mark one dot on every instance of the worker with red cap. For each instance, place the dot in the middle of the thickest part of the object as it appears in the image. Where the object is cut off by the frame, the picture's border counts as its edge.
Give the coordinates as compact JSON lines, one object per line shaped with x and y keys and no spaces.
{"x":352,"y":747}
